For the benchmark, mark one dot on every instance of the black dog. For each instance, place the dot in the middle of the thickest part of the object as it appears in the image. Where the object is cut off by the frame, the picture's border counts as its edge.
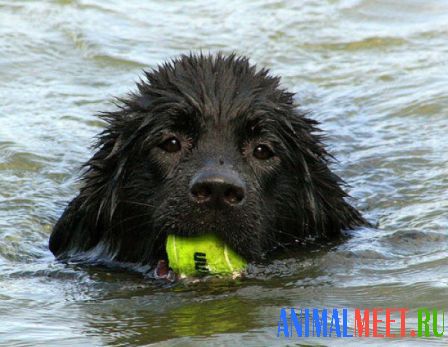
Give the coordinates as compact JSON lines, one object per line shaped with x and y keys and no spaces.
{"x":207,"y":144}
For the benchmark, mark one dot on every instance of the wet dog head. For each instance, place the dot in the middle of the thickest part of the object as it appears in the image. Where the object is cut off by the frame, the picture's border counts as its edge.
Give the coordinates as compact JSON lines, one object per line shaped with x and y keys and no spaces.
{"x":207,"y":144}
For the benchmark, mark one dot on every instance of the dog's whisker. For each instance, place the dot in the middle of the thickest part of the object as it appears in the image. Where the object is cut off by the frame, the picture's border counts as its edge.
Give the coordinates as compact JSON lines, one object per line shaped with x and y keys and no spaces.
{"x":127,"y":219}
{"x":138,"y":203}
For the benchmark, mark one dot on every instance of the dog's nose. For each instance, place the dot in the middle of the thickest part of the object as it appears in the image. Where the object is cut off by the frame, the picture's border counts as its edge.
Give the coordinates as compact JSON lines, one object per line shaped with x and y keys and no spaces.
{"x":217,"y":188}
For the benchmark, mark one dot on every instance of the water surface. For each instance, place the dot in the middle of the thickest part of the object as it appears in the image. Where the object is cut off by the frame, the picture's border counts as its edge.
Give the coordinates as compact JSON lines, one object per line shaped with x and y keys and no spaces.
{"x":374,"y":72}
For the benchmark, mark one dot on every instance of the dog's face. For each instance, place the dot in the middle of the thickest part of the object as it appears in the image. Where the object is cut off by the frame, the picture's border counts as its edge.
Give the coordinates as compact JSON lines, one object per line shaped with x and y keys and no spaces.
{"x":206,"y":172}
{"x":209,"y":145}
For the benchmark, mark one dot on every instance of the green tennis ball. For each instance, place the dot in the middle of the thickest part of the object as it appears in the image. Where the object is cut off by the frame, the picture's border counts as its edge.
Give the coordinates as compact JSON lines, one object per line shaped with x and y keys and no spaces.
{"x":202,"y":255}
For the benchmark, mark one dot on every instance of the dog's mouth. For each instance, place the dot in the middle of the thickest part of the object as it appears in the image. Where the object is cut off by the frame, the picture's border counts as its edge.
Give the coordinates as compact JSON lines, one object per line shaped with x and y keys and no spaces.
{"x":163,"y":272}
{"x":161,"y":269}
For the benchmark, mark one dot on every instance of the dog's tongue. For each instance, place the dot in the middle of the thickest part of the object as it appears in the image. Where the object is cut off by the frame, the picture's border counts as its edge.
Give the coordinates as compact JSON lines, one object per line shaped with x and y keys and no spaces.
{"x":162,"y":271}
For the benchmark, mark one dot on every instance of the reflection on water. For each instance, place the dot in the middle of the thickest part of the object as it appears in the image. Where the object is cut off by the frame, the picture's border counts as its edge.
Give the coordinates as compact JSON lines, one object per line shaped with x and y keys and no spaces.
{"x":372,"y":71}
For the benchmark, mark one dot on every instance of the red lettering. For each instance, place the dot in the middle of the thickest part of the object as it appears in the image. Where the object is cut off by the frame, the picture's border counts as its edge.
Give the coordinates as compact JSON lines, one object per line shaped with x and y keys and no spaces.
{"x":403,"y":321}
{"x":361,"y":324}
{"x":376,"y":321}
{"x":388,"y":321}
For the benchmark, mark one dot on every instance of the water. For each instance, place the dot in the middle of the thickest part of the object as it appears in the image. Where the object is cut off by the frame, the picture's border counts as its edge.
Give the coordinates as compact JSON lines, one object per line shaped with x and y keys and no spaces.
{"x":373,"y":71}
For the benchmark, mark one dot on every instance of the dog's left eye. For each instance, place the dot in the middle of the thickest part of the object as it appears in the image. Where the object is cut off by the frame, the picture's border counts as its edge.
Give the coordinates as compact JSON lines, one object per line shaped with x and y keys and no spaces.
{"x":263,"y":152}
{"x":171,"y":145}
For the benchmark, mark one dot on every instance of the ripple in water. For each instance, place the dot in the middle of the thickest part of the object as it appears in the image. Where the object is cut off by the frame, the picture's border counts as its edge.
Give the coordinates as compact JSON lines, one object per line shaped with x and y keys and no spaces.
{"x":371,"y":71}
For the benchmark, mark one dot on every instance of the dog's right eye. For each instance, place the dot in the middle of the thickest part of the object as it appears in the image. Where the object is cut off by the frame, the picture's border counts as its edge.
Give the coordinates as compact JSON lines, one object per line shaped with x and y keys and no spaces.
{"x":171,"y":145}
{"x":263,"y":152}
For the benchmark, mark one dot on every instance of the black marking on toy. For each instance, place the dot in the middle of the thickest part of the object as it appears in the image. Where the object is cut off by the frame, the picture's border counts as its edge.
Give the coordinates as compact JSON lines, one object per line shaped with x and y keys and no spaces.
{"x":200,"y":262}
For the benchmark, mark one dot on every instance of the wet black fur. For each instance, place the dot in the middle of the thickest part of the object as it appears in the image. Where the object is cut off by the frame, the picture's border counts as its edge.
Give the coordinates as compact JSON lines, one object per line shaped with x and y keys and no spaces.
{"x":134,"y":193}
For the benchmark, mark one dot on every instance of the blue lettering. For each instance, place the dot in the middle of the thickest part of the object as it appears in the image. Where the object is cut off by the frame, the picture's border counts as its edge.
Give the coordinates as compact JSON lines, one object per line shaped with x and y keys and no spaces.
{"x":283,"y":324}
{"x":319,"y":325}
{"x":296,"y":323}
{"x":307,"y":322}
{"x":345,"y":323}
{"x":334,"y":325}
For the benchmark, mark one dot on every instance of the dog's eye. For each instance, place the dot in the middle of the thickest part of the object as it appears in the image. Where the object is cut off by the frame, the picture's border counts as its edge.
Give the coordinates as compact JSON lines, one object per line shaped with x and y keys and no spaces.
{"x":171,"y":145}
{"x":263,"y":152}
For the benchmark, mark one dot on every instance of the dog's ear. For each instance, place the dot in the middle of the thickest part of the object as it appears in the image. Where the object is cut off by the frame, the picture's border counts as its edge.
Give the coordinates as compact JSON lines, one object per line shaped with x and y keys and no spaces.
{"x":319,"y":191}
{"x":90,"y":214}
{"x":80,"y":226}
{"x":85,"y":219}
{"x":73,"y":231}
